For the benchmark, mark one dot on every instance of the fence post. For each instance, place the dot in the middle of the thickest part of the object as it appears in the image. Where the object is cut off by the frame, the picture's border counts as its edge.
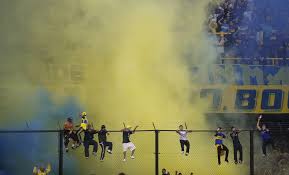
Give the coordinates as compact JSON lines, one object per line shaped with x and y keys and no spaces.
{"x":157,"y":152}
{"x":252,"y":152}
{"x":60,"y":152}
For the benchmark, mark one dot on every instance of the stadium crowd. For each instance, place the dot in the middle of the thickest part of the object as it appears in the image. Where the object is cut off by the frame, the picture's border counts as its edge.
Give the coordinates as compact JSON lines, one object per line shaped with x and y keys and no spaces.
{"x":250,"y":28}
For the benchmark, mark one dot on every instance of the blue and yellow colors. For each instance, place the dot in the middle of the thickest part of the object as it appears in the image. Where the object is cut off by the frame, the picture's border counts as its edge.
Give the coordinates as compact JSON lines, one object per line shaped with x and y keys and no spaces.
{"x":121,"y":61}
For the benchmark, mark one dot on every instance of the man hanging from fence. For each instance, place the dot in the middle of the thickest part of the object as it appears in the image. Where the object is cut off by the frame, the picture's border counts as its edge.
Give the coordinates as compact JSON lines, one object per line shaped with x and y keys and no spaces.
{"x":221,"y":148}
{"x":41,"y":170}
{"x":266,"y":136}
{"x":89,"y":140}
{"x":70,"y":135}
{"x":102,"y":138}
{"x":184,"y":140}
{"x":237,"y":145}
{"x":126,"y":143}
{"x":82,"y":126}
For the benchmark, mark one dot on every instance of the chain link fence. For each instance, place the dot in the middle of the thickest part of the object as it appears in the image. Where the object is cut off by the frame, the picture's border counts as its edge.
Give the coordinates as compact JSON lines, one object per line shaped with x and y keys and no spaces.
{"x":21,"y":151}
{"x":155,"y":150}
{"x":202,"y":158}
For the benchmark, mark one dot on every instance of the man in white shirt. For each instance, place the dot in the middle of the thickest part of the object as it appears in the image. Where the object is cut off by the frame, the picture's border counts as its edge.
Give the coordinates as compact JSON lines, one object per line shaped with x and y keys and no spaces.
{"x":184,"y":140}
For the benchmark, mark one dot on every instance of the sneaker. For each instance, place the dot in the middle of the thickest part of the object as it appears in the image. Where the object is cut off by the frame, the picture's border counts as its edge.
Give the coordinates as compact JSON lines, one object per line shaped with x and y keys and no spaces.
{"x":236,"y":162}
{"x":132,"y":157}
{"x":240,"y":161}
{"x":264,"y":155}
{"x":187,"y":154}
{"x":86,"y":157}
{"x":109,"y":151}
{"x":94,"y":153}
{"x":227,"y":161}
{"x":101,"y":160}
{"x":124,"y":160}
{"x":182,"y":152}
{"x":66,"y":150}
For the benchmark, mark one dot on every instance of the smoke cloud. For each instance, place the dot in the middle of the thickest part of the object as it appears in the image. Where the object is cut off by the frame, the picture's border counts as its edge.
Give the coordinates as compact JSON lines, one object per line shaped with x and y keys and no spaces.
{"x":121,"y":61}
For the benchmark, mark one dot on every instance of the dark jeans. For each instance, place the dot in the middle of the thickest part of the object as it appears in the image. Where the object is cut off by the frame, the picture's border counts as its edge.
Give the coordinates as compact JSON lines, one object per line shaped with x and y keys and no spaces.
{"x":86,"y":144}
{"x":67,"y":136}
{"x":183,"y":143}
{"x":265,"y":144}
{"x":221,"y":148}
{"x":238,"y":148}
{"x":103,"y":146}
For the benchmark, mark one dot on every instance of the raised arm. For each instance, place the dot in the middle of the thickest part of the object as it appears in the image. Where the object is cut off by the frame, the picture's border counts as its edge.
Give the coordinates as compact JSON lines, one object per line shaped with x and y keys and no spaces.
{"x":48,"y":169}
{"x":134,"y":129}
{"x":258,"y":123}
{"x":35,"y":169}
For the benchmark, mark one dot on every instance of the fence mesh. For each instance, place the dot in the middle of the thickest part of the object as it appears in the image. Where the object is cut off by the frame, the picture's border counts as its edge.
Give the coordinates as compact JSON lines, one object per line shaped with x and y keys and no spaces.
{"x":277,"y":161}
{"x":23,"y":151}
{"x":203,"y":154}
{"x":113,"y":163}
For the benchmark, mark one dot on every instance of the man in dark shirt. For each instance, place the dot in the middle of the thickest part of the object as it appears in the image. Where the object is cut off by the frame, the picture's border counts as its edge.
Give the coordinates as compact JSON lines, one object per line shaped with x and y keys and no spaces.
{"x":89,"y":140}
{"x":102,"y":138}
{"x":126,"y":143}
{"x":266,"y":136}
{"x":237,"y":145}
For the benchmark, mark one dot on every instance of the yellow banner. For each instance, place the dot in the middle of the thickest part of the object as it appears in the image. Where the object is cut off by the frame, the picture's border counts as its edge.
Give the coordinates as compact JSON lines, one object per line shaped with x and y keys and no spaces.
{"x":247,"y":99}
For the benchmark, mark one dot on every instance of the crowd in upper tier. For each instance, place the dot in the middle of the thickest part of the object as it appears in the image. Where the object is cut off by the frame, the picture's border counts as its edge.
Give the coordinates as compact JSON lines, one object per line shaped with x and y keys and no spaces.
{"x":250,"y":28}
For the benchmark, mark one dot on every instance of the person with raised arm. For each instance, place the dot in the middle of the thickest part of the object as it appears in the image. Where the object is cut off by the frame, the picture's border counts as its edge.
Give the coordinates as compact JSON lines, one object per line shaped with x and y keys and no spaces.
{"x":265,"y":135}
{"x":82,"y":126}
{"x":41,"y":170}
{"x":184,"y":140}
{"x":126,"y":143}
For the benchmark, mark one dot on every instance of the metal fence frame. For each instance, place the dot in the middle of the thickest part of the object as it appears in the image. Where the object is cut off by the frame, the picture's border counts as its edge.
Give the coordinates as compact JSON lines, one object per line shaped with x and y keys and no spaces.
{"x":157,"y":169}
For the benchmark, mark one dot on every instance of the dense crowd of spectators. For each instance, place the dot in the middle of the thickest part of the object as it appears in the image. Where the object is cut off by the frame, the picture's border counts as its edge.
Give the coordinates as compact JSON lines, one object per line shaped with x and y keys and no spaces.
{"x":250,"y":28}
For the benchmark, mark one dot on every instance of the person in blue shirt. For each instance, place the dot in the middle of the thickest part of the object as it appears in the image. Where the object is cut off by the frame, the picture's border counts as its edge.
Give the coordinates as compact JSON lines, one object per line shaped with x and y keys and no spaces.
{"x":265,"y":135}
{"x":221,"y":148}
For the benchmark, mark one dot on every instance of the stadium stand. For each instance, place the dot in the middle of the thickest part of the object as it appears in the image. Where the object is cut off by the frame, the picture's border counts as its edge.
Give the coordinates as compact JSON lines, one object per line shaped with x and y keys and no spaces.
{"x":251,"y":29}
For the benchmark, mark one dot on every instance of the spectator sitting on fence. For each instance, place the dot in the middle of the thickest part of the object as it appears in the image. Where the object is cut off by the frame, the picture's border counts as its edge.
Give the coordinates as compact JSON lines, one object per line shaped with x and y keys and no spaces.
{"x":184,"y":140}
{"x":237,"y":145}
{"x":266,"y":136}
{"x":41,"y":170}
{"x":82,"y":126}
{"x":88,"y":140}
{"x":220,"y":146}
{"x":126,"y":143}
{"x":69,"y":135}
{"x":102,"y":138}
{"x":165,"y":172}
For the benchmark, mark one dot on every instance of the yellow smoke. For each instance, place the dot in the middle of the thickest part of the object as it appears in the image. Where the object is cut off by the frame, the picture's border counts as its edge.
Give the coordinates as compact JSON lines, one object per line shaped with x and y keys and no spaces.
{"x":135,"y":70}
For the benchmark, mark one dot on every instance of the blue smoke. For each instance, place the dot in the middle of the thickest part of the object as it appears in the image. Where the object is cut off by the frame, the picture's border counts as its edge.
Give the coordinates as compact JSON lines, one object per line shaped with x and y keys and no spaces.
{"x":20,"y":152}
